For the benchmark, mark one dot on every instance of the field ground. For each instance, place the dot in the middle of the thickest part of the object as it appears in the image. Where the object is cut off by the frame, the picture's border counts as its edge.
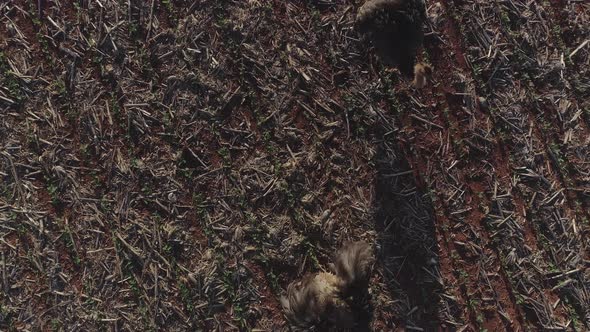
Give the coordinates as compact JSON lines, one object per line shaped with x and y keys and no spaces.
{"x":173,"y":165}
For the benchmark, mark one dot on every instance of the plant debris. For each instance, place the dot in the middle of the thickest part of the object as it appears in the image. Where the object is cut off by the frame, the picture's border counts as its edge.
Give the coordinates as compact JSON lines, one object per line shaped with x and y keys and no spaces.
{"x":174,"y":165}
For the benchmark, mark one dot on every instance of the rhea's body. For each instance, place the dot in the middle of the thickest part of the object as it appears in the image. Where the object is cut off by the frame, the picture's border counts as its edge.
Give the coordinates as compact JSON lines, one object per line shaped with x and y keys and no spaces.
{"x":394,"y":27}
{"x":321,"y":297}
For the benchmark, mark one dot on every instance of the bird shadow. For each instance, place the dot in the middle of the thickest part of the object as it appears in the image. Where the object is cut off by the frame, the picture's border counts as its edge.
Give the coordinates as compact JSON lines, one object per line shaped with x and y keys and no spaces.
{"x":362,"y":308}
{"x":406,"y":241}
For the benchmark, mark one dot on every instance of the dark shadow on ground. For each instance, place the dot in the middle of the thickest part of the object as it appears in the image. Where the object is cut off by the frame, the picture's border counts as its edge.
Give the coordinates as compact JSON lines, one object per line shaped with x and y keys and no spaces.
{"x":406,"y":240}
{"x":363,"y":309}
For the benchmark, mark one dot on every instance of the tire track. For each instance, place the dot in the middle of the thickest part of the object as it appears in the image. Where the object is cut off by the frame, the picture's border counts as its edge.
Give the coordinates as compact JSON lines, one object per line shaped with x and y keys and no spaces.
{"x":558,"y":117}
{"x":471,"y":239}
{"x":509,"y":107}
{"x":527,"y":230}
{"x":569,"y":28}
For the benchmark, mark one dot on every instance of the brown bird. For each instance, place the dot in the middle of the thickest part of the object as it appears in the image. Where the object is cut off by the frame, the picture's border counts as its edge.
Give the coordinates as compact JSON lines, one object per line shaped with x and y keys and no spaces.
{"x":321,"y":297}
{"x":422,"y":73}
{"x":394,"y":27}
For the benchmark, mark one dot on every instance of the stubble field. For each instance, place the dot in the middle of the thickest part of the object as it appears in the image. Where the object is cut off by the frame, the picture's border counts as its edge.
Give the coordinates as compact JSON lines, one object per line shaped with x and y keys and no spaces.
{"x":174,"y":165}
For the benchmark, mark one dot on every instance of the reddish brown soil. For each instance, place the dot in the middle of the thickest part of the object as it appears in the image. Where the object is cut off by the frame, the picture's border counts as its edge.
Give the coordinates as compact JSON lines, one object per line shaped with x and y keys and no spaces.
{"x":311,"y":150}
